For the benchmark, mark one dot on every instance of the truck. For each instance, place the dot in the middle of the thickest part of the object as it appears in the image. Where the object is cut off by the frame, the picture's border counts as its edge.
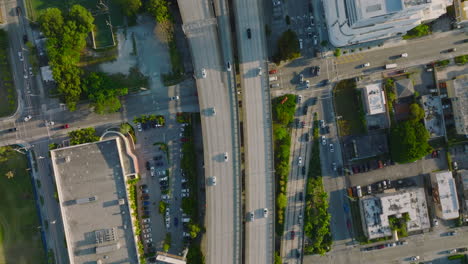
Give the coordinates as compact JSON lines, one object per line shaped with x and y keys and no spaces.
{"x":390,"y":66}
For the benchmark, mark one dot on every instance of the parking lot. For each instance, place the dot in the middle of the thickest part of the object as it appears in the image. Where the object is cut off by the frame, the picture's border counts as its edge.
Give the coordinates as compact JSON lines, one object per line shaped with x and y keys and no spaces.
{"x":159,"y":154}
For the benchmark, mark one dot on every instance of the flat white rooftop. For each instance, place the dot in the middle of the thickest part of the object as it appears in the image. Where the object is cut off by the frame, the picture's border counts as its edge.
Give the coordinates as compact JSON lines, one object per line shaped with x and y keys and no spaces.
{"x":376,"y":209}
{"x":93,"y":202}
{"x":375,"y":99}
{"x":445,"y":194}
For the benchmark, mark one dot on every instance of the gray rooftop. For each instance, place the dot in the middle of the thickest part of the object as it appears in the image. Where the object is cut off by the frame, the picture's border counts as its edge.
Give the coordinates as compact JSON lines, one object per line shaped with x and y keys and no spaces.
{"x":93,"y":203}
{"x":404,"y":88}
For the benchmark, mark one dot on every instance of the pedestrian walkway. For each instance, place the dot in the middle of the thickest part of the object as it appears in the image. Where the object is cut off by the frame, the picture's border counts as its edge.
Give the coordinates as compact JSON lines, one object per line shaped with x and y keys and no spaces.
{"x":349,"y":58}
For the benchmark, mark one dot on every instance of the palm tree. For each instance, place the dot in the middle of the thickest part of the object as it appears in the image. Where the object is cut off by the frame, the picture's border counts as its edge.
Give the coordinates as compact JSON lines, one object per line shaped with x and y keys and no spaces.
{"x":125,"y":128}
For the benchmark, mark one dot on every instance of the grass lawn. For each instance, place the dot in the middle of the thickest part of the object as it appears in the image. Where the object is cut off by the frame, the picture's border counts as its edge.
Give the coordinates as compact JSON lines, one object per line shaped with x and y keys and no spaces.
{"x":20,"y":238}
{"x":347,"y":107}
{"x":7,"y":87}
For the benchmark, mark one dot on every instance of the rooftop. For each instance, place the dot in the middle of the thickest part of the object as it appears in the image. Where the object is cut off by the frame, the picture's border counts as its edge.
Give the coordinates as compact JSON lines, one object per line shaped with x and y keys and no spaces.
{"x":458,"y":93}
{"x":404,"y":88}
{"x":445,"y":195}
{"x":375,"y":99}
{"x":376,"y":209}
{"x":93,"y":202}
{"x":433,"y":117}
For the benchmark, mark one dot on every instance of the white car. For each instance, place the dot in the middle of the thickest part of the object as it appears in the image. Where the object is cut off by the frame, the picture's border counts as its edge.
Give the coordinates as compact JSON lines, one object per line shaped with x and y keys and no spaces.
{"x":226,"y":157}
{"x":213,"y":181}
{"x":163,"y":179}
{"x":251,"y":216}
{"x":139,"y":127}
{"x":147,"y":220}
{"x":436,"y":222}
{"x":367,"y":64}
{"x":146,"y":225}
{"x":299,"y":98}
{"x":322,"y":123}
{"x":184,"y":195}
{"x":332,"y":149}
{"x":324,"y":141}
{"x":413,"y":258}
{"x":175,"y":98}
{"x":404,"y":55}
{"x":147,"y":235}
{"x":185,"y":234}
{"x":307,"y":84}
{"x":185,"y":190}
{"x":147,"y":230}
{"x":184,"y":180}
{"x":27,"y":118}
{"x":20,"y":55}
{"x":203,"y":73}
{"x":152,"y":170}
{"x":334,"y":166}
{"x":228,"y":66}
{"x":299,"y":161}
{"x":30,"y":71}
{"x":276,"y":2}
{"x":149,"y":240}
{"x":165,"y":197}
{"x":265,"y":212}
{"x":259,"y":71}
{"x":168,"y":223}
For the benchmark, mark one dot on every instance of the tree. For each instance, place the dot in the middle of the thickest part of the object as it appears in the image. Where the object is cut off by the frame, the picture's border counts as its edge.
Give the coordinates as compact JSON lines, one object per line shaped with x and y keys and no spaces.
{"x":281,"y":201}
{"x":417,"y":112}
{"x":82,"y":17}
{"x":159,"y":9}
{"x":281,"y":133}
{"x":103,"y":92}
{"x":409,"y":141}
{"x":5,"y":153}
{"x":9,"y":174}
{"x":288,"y":46}
{"x":83,"y":135}
{"x":337,"y":52}
{"x":51,"y":22}
{"x":125,"y":128}
{"x":193,"y":230}
{"x":130,"y":7}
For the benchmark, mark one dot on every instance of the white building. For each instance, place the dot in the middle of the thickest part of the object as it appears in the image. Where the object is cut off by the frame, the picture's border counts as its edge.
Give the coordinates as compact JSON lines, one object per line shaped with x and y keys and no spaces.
{"x":357,"y":21}
{"x":444,"y":193}
{"x":376,"y":209}
{"x":374,"y":98}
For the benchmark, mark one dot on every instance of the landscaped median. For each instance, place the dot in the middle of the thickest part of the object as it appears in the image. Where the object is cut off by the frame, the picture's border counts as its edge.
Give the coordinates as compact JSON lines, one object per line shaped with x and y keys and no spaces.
{"x":317,"y":233}
{"x":283,"y":114}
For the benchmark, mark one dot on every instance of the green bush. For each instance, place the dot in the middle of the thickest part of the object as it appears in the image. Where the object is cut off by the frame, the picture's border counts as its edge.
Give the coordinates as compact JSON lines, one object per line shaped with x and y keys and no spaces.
{"x":458,"y":256}
{"x":463,"y":59}
{"x":337,"y":52}
{"x":418,"y":31}
{"x":442,"y":63}
{"x":84,"y":135}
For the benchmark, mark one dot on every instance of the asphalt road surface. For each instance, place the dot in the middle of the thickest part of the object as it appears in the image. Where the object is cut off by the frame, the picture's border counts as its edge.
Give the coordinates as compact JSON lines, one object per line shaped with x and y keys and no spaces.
{"x":259,"y":180}
{"x":219,"y":126}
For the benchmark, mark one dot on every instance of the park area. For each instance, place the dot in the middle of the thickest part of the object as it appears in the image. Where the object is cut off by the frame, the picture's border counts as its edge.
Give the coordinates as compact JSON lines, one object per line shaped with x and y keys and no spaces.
{"x":20,"y":238}
{"x":7,"y":87}
{"x":105,"y":13}
{"x":349,"y":108}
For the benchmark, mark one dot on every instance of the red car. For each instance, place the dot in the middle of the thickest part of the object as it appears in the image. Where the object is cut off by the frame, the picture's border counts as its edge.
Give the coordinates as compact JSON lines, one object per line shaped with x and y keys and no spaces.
{"x":272,"y":72}
{"x":184,"y":139}
{"x":65,"y":126}
{"x":293,"y":235}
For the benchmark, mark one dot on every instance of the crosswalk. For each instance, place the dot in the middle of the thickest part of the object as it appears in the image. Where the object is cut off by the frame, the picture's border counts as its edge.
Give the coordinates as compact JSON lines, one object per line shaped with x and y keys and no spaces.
{"x":349,"y":58}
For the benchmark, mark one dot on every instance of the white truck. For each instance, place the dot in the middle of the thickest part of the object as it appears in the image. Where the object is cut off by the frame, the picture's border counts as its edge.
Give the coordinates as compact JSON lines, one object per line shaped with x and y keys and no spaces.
{"x":391,"y":66}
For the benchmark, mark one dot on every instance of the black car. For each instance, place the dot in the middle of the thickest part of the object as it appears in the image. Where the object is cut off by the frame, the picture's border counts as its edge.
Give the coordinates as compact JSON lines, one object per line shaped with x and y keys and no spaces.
{"x":324,"y":82}
{"x":304,"y":111}
{"x":12,"y":129}
{"x":159,"y":164}
{"x":249,"y":33}
{"x":148,"y":165}
{"x":143,"y":186}
{"x":163,"y":183}
{"x":307,"y":137}
{"x":176,"y":221}
{"x":157,"y":157}
{"x":145,"y":208}
{"x":25,"y":39}
{"x":301,"y":196}
{"x":303,"y":170}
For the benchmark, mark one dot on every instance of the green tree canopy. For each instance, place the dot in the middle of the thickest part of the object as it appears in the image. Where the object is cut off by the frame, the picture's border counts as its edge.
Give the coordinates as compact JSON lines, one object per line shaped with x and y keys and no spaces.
{"x":417,"y":112}
{"x":159,"y":9}
{"x":284,"y":112}
{"x":281,"y":200}
{"x":409,"y":141}
{"x":5,"y":153}
{"x":103,"y":92}
{"x":130,"y":7}
{"x":83,"y":19}
{"x":288,"y":46}
{"x":84,"y":135}
{"x":51,"y":22}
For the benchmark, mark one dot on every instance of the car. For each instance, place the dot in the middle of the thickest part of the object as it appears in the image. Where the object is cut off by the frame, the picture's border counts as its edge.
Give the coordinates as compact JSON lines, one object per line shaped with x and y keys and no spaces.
{"x":65,"y":126}
{"x":145,"y":225}
{"x":302,"y":124}
{"x":452,"y":233}
{"x":213,"y":180}
{"x":292,"y":235}
{"x":183,"y":180}
{"x":322,"y":123}
{"x":145,"y":197}
{"x":299,"y":98}
{"x":303,"y":170}
{"x":20,"y":55}
{"x":226,"y":158}
{"x":299,"y":160}
{"x":146,"y":203}
{"x":184,"y":140}
{"x":259,"y":71}
{"x":165,"y":197}
{"x":147,"y":235}
{"x":152,"y":170}
{"x":184,"y":195}
{"x":163,"y":179}
{"x":400,"y":243}
{"x":367,"y":64}
{"x":317,"y":71}
{"x":250,"y":216}
{"x":163,"y":183}
{"x":324,"y":82}
{"x":460,"y":250}
{"x":307,"y":84}
{"x":332,"y":149}
{"x":176,"y":221}
{"x":138,"y":125}
{"x":203,"y":72}
{"x":390,"y":244}
{"x":301,"y":196}
{"x":404,"y":55}
{"x":159,"y":164}
{"x":452,"y":251}
{"x":455,"y":165}
{"x":307,"y":137}
{"x":228,"y":66}
{"x":25,"y":75}
{"x":30,"y":71}
{"x":175,"y":98}
{"x":413,"y":258}
{"x":144,"y":191}
{"x":185,"y":190}
{"x":147,"y":230}
{"x":276,"y":2}
{"x":27,"y":118}
{"x":334,"y":166}
{"x":273,"y":71}
{"x":452,"y":50}
{"x":324,"y":140}
{"x":148,"y":241}
{"x":265,"y":212}
{"x":168,"y":223}
{"x":147,"y":220}
{"x":185,"y":234}
{"x":297,"y":254}
{"x":249,"y":33}
{"x":301,"y":78}
{"x":369,"y":189}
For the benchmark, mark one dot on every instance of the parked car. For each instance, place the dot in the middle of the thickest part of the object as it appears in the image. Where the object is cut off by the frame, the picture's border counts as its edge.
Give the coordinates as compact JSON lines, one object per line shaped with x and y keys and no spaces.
{"x":250,"y":216}
{"x":301,"y":196}
{"x":265,"y":212}
{"x":324,"y":140}
{"x":292,"y":235}
{"x":332,"y":149}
